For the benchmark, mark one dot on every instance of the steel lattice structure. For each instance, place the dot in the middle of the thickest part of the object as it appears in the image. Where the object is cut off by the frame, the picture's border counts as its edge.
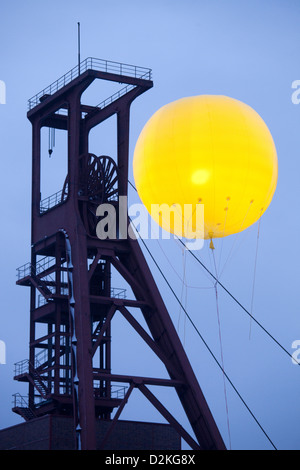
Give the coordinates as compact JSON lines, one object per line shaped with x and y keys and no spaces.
{"x":70,"y":274}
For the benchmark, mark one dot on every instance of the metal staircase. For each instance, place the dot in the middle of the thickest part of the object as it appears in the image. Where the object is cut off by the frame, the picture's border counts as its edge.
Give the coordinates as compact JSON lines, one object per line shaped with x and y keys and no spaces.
{"x":35,"y":378}
{"x":25,"y":371}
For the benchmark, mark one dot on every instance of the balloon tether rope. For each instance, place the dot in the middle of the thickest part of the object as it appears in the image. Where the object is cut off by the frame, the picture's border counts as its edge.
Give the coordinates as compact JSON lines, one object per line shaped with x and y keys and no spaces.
{"x":221,"y":346}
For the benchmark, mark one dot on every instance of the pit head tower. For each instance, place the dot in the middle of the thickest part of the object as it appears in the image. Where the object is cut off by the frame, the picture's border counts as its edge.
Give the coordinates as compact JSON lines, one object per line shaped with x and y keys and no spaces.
{"x":72,"y":301}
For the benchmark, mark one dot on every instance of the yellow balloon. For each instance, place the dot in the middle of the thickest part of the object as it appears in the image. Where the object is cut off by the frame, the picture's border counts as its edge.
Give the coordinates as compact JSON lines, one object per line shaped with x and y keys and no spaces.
{"x":211,"y":150}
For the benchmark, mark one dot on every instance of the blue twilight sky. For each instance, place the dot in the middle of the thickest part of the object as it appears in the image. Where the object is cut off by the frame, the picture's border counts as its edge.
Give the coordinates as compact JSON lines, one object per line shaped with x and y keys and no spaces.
{"x":248,"y":50}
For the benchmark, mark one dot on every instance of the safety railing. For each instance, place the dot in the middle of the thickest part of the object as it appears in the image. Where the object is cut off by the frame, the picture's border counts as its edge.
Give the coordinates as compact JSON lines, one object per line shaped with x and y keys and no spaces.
{"x":24,"y":271}
{"x":115,"y":292}
{"x":22,"y":367}
{"x":53,"y":200}
{"x":118,"y":293}
{"x":118,"y":391}
{"x":113,"y":390}
{"x":115,"y":96}
{"x":29,"y":269}
{"x":20,"y":400}
{"x":90,"y":63}
{"x":44,"y":263}
{"x":41,"y":300}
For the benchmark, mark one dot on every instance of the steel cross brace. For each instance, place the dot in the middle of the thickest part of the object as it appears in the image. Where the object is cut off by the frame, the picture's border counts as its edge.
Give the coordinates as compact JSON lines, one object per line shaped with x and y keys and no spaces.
{"x":140,"y":384}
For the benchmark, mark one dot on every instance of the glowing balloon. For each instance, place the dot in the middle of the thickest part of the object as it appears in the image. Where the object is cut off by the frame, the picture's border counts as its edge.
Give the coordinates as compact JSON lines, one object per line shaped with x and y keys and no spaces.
{"x":207,"y":149}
